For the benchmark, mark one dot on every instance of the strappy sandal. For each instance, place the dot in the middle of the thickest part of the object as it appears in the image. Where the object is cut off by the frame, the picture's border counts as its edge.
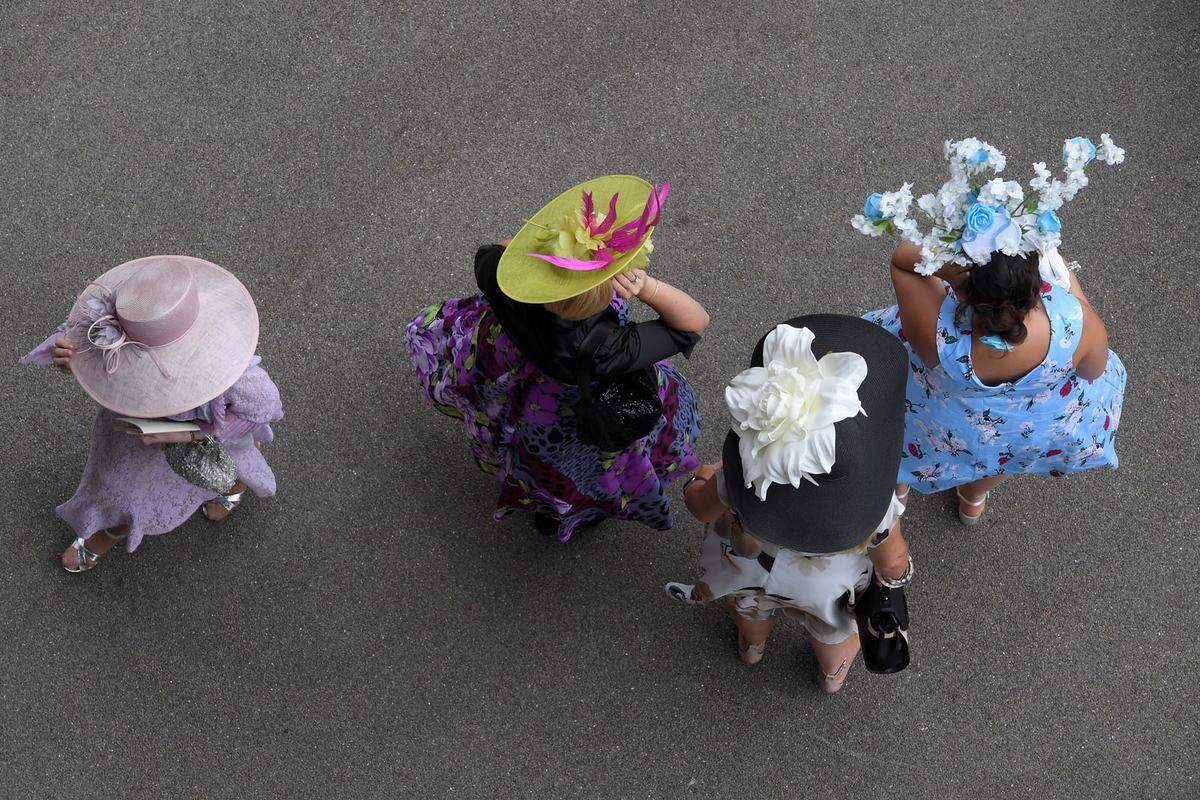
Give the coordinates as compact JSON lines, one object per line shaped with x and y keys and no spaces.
{"x":964,"y":517}
{"x":229,"y":502}
{"x":832,"y":683}
{"x":85,"y":559}
{"x":751,"y":653}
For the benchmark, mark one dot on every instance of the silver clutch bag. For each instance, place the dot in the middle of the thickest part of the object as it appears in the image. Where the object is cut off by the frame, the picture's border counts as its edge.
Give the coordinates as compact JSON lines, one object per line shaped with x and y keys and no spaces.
{"x":204,"y":464}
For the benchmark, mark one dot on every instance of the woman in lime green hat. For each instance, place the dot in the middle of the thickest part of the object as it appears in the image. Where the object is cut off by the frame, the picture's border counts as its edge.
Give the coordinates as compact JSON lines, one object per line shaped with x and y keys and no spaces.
{"x":569,"y":404}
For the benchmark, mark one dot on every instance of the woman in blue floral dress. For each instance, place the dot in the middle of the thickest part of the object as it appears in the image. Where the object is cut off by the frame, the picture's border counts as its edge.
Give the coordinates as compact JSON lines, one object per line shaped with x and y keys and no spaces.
{"x":1010,"y":366}
{"x":1008,"y":374}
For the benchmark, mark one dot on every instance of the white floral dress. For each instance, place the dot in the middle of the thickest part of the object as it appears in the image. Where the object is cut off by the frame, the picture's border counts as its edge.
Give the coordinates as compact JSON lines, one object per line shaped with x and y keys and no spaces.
{"x":959,"y":429}
{"x":813,"y":588}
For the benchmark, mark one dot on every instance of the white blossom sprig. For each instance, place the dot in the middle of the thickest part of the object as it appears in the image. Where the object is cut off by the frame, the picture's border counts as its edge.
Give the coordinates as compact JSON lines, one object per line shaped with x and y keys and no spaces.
{"x":973,"y":215}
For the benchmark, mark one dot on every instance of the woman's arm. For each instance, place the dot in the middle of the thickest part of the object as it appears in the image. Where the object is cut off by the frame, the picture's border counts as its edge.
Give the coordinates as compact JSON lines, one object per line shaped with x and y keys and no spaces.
{"x":1091,"y":355}
{"x":920,"y":299}
{"x":55,"y":351}
{"x":891,"y":556}
{"x":676,"y":308}
{"x":701,"y":497}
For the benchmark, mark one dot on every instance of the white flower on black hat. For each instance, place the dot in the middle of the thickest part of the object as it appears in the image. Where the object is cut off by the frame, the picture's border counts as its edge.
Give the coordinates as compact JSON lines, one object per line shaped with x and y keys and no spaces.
{"x":785,"y":410}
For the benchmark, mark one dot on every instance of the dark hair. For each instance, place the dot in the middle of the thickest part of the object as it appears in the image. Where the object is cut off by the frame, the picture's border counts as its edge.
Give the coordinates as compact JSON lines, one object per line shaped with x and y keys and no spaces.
{"x":1000,"y":294}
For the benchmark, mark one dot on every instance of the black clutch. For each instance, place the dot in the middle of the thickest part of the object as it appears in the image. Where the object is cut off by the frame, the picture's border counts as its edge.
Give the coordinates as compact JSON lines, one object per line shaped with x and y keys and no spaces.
{"x":882,"y":616}
{"x":614,"y":412}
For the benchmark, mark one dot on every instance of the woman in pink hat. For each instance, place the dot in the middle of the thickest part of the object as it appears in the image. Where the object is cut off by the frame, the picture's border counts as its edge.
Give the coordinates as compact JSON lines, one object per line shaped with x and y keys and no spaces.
{"x":167,"y":338}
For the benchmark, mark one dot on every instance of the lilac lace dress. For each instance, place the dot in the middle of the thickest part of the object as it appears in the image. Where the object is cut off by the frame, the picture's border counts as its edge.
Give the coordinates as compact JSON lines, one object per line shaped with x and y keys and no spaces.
{"x":128,"y":483}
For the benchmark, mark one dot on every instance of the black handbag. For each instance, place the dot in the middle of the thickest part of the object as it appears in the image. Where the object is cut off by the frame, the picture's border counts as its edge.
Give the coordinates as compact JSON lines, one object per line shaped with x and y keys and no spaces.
{"x":882,"y":616}
{"x":613,"y":412}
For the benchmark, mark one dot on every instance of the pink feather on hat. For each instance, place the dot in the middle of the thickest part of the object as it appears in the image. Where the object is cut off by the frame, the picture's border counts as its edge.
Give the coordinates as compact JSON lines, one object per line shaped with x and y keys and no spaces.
{"x":617,"y":242}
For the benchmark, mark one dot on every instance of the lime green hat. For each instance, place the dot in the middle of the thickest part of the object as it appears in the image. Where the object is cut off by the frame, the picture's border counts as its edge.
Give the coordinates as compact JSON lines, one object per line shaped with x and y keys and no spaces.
{"x":568,"y":247}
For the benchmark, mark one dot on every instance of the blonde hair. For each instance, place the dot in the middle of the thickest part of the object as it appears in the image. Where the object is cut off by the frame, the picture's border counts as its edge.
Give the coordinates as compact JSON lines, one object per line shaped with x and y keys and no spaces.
{"x":584,"y":305}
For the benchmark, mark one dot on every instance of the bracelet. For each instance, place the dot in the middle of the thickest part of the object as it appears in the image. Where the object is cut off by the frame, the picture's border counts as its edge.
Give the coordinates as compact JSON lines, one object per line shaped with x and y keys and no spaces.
{"x":657,"y":282}
{"x":904,"y":580}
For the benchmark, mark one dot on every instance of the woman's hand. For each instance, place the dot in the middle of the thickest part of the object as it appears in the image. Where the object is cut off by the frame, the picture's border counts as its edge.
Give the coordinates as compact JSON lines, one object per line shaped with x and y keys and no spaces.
{"x":953,"y":274}
{"x":705,"y":472}
{"x":632,"y":283}
{"x":63,"y":352}
{"x":701,"y":496}
{"x":164,"y":438}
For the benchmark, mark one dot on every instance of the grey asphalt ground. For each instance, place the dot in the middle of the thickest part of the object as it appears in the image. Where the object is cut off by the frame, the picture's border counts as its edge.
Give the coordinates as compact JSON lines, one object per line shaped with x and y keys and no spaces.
{"x":370,"y":632}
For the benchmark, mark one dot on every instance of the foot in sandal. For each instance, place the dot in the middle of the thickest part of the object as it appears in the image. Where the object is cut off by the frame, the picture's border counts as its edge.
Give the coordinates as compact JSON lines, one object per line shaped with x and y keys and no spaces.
{"x":833,"y":682}
{"x":219,"y":508}
{"x":970,"y":511}
{"x":751,"y":653}
{"x":83,"y":554}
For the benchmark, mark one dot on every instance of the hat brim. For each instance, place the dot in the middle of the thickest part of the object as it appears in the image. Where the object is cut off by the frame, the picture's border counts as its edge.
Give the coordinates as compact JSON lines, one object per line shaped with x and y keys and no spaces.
{"x":845,"y":507}
{"x":532,"y":280}
{"x":199,"y":366}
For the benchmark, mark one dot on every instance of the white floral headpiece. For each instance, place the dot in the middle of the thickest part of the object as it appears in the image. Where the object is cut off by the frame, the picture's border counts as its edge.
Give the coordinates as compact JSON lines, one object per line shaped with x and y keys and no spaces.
{"x":785,"y":410}
{"x":975,"y":217}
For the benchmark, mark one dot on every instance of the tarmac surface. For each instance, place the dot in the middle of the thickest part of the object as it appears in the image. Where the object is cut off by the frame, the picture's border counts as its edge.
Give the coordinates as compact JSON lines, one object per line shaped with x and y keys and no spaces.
{"x":370,"y":632}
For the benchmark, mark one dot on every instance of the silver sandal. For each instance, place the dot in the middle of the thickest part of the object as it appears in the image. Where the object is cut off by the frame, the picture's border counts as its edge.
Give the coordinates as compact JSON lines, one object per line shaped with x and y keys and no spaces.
{"x":229,"y":502}
{"x":86,"y":559}
{"x":971,"y":519}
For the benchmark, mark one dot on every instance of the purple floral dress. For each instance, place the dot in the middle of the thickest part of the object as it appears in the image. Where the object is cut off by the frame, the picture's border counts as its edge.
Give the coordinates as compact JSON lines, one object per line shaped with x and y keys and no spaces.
{"x":520,"y":426}
{"x":958,"y":429}
{"x":128,"y":483}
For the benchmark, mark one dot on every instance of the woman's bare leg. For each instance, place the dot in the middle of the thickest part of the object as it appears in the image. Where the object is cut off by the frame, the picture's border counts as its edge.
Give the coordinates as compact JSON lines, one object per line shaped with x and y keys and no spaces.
{"x":752,"y":635}
{"x":216,"y":512}
{"x":834,"y":660}
{"x":971,"y":495}
{"x":99,"y":543}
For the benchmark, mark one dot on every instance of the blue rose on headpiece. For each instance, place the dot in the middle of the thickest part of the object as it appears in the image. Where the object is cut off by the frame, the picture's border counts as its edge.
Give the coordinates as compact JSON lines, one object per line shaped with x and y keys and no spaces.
{"x":989,"y":229}
{"x":980,"y":218}
{"x":1079,"y":146}
{"x":871,"y":210}
{"x":980,"y":156}
{"x":1048,"y":222}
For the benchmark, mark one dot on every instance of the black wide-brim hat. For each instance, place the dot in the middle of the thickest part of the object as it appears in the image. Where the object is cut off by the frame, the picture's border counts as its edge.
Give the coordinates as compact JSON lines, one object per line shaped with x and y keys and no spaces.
{"x":846,"y":505}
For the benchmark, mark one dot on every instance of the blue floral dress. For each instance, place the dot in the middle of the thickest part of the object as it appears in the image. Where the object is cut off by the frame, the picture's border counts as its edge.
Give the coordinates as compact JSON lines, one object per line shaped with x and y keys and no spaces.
{"x":1051,"y":421}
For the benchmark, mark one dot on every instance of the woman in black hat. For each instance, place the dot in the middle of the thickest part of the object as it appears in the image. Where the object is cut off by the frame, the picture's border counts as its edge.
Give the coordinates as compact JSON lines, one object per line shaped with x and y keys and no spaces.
{"x":803,"y":513}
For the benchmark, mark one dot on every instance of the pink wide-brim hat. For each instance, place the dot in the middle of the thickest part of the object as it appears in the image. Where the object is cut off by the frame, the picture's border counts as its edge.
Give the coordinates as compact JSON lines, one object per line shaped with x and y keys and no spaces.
{"x":161,"y":335}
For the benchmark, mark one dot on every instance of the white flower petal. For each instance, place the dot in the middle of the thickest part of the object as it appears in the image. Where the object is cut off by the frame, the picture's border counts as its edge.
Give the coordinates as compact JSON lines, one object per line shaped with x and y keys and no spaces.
{"x":821,"y":451}
{"x":741,"y":395}
{"x":1008,"y":241}
{"x":849,"y":367}
{"x":791,"y":346}
{"x":837,"y":400}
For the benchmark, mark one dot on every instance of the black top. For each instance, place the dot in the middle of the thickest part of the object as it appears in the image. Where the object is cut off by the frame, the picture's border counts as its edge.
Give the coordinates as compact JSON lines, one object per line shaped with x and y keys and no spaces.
{"x":553,"y":343}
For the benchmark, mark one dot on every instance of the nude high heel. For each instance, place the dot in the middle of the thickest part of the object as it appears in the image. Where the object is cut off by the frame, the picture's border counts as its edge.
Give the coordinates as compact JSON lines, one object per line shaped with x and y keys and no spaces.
{"x":751,"y":653}
{"x":832,"y":683}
